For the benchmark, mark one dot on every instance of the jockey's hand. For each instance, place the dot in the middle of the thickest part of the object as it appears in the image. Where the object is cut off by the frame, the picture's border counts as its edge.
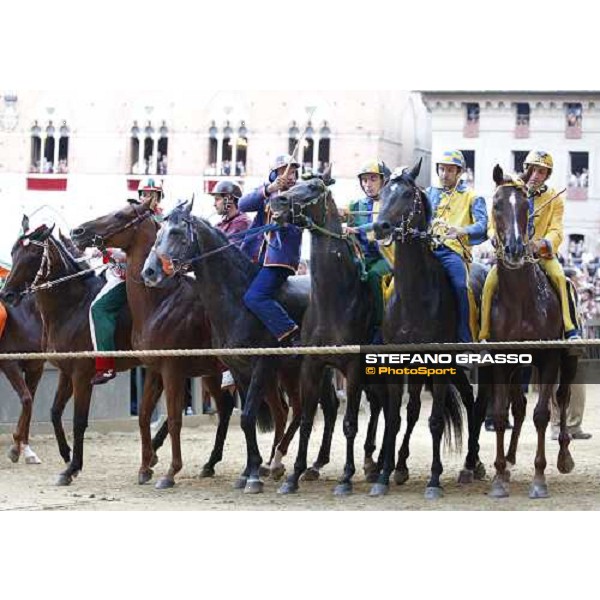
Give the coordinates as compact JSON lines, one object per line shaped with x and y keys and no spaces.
{"x":280,"y":184}
{"x":453,"y":232}
{"x":354,"y":230}
{"x":536,"y":245}
{"x":343,"y":213}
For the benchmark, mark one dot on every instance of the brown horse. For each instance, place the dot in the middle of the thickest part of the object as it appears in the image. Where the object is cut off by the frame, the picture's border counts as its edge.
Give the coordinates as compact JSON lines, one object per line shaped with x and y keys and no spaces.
{"x":171,"y":317}
{"x":40,"y":258}
{"x":526,"y":307}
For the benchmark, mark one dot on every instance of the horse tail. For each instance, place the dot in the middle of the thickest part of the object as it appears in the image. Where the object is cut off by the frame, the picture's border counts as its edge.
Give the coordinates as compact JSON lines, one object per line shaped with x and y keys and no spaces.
{"x":453,"y":420}
{"x":264,"y":418}
{"x":328,"y":399}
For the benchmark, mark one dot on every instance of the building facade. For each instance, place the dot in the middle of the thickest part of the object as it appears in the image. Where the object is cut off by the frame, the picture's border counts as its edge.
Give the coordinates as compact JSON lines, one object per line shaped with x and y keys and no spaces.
{"x":501,"y":127}
{"x":76,"y":156}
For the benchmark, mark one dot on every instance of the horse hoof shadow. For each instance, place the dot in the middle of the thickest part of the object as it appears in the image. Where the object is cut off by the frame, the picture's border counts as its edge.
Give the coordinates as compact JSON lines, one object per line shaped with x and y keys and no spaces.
{"x":379,"y":489}
{"x":311,"y":474}
{"x":13,"y":454}
{"x":165,"y":483}
{"x":254,"y":486}
{"x":433,"y":493}
{"x":145,"y":476}
{"x":401,"y":477}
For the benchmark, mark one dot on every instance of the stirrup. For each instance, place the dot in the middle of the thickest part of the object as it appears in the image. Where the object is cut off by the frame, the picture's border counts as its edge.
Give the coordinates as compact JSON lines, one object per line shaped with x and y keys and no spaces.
{"x":103,"y":376}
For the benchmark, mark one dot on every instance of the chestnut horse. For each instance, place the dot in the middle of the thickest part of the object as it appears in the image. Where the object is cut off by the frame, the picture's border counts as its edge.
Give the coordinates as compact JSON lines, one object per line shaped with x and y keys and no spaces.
{"x":526,"y":307}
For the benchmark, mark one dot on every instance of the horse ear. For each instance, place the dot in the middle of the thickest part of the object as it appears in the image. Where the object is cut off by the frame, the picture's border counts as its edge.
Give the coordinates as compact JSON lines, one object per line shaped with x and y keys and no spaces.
{"x":46,"y":233}
{"x":191,"y":204}
{"x":414,"y":172}
{"x":498,"y":175}
{"x":25,"y":224}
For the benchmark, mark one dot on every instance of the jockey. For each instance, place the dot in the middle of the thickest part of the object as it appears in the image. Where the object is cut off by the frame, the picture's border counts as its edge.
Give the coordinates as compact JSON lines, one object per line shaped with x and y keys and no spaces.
{"x":105,"y":308}
{"x":545,"y":232}
{"x":361,"y":214}
{"x":227,"y":195}
{"x":459,"y":218}
{"x":278,"y":253}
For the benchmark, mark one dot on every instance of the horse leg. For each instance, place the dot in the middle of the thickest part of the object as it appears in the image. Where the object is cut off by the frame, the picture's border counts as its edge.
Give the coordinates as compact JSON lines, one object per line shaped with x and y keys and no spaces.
{"x":518,"y":407}
{"x":225,"y":403}
{"x":279,"y":410}
{"x":152,"y":390}
{"x":413,"y":409}
{"x":263,"y":368}
{"x":329,"y":405}
{"x":483,"y":402}
{"x":392,"y":400}
{"x":467,"y":474}
{"x":82,"y":390}
{"x":174,"y":385}
{"x":500,"y":392}
{"x":64,"y":391}
{"x":344,"y":486}
{"x":436,"y":427}
{"x":564,"y":463}
{"x":33,"y":374}
{"x":20,"y":436}
{"x":311,"y":376}
{"x":370,"y":467}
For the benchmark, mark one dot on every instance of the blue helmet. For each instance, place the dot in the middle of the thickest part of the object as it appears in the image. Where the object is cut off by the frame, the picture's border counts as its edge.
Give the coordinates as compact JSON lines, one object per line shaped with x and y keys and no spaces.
{"x":281,"y":161}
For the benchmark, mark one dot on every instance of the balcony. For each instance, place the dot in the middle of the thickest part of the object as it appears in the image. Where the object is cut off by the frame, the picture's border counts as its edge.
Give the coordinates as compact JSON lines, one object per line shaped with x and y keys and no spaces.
{"x":521,"y":131}
{"x":471,"y":129}
{"x":573,"y":132}
{"x":577,"y":193}
{"x":46,"y":182}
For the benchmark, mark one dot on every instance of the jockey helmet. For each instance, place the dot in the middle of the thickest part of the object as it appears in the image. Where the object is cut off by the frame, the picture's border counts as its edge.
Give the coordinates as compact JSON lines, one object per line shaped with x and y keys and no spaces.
{"x":150,"y":184}
{"x":452,"y":157}
{"x":227,"y":188}
{"x":375,"y":167}
{"x":281,"y":161}
{"x":539,"y":158}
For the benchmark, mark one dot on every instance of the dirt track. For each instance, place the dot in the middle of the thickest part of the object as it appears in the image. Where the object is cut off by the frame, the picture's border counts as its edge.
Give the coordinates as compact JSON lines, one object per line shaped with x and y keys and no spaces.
{"x":109,"y":478}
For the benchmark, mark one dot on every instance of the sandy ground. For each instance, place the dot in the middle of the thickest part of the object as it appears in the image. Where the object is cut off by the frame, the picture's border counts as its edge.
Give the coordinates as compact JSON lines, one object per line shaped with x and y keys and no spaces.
{"x":109,"y":478}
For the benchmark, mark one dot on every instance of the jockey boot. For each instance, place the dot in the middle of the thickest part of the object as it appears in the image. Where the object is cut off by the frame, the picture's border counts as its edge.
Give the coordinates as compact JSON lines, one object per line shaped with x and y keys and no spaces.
{"x":291,"y":339}
{"x":105,"y":370}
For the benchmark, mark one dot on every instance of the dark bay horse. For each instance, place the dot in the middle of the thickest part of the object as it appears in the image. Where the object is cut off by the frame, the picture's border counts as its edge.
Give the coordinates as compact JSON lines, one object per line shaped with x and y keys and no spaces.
{"x":172,"y":317}
{"x":341,"y":312}
{"x":423,"y":310}
{"x":526,"y":307}
{"x":224,"y":274}
{"x":38,"y":258}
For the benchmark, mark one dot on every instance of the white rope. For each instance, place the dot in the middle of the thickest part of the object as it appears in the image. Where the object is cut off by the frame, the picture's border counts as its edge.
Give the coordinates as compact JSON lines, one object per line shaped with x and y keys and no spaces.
{"x":350,"y":349}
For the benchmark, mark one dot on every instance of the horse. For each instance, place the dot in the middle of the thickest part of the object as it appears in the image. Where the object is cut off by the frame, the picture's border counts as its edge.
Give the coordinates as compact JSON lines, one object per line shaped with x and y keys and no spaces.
{"x":41,"y":261}
{"x":224,"y":274}
{"x":171,"y":317}
{"x":421,"y":310}
{"x":526,"y":307}
{"x":340,"y":312}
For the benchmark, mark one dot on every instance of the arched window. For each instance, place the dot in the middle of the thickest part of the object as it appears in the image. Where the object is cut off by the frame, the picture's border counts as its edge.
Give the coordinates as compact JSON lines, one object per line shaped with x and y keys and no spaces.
{"x":63,"y":149}
{"x":135,"y":166}
{"x":324,"y":148}
{"x":48,"y":159}
{"x":149,"y":150}
{"x":308,"y":147}
{"x":293,"y":135}
{"x":242,"y":150}
{"x":163,"y":145}
{"x":227,"y":150}
{"x":213,"y":146}
{"x":36,"y":149}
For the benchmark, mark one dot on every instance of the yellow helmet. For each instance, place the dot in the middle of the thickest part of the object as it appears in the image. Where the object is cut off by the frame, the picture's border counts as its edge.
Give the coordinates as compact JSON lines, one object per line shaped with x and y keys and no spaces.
{"x":539,"y":158}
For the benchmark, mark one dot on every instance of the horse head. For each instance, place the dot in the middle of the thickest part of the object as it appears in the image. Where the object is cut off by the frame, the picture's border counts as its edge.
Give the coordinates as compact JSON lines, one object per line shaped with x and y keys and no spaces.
{"x":116,"y":229}
{"x":509,"y":214}
{"x":176,"y":244}
{"x":302,"y":205}
{"x":404,"y":208}
{"x":27,"y":256}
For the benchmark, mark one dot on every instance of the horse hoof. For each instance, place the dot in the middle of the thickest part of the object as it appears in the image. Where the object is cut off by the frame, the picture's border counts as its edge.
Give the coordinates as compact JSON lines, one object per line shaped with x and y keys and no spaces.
{"x":538,"y":490}
{"x":343,"y":489}
{"x":13,"y":454}
{"x":154,"y":460}
{"x":145,"y":476}
{"x":466,"y":476}
{"x":379,"y":489}
{"x":165,"y":483}
{"x":565,"y":463}
{"x":33,"y":460}
{"x":288,"y":487}
{"x":479,"y":472}
{"x":254,"y":486}
{"x":433,"y":493}
{"x":506,"y":476}
{"x":263,"y":471}
{"x":64,"y":479}
{"x":372,"y":477}
{"x":499,"y":489}
{"x":401,"y":477}
{"x":207,"y":471}
{"x":276,"y":473}
{"x":240,"y":483}
{"x":311,"y":474}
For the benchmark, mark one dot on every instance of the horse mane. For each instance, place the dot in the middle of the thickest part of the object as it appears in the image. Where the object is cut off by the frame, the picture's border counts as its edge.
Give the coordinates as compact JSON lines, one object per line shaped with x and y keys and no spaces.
{"x":67,"y":258}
